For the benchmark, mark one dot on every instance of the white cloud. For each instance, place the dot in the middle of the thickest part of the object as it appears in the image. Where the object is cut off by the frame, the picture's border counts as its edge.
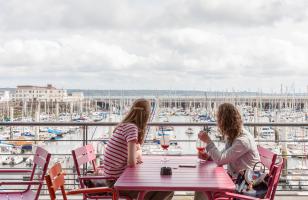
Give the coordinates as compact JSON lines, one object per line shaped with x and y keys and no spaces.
{"x":174,"y":44}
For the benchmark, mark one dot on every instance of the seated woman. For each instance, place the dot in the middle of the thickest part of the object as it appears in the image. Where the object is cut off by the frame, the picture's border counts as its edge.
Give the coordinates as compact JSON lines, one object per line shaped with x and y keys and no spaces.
{"x":123,"y":148}
{"x":240,"y":151}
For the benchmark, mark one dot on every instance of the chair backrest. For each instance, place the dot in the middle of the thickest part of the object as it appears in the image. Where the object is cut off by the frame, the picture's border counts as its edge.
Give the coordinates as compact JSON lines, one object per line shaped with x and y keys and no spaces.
{"x":274,"y":174}
{"x":84,"y":155}
{"x":41,"y":160}
{"x":55,"y":180}
{"x":268,"y":158}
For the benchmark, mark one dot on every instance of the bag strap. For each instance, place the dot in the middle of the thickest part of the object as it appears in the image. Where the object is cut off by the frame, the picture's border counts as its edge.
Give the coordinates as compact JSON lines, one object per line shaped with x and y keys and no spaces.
{"x":263,"y":166}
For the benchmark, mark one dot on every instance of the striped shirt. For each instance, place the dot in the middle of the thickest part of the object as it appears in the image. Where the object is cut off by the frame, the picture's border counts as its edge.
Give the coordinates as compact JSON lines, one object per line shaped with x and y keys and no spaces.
{"x":115,"y":154}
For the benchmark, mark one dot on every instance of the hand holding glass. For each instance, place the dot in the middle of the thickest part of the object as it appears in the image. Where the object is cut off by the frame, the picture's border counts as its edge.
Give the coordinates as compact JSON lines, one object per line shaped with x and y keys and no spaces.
{"x":200,"y":146}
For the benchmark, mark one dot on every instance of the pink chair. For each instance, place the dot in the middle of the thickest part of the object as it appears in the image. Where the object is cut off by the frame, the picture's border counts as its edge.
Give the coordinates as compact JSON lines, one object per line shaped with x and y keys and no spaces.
{"x":55,"y":181}
{"x":86,"y":155}
{"x":41,"y":161}
{"x":267,"y":158}
{"x":273,"y":182}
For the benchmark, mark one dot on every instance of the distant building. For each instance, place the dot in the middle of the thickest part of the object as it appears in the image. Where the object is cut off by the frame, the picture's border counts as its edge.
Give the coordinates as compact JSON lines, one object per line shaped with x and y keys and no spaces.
{"x":4,"y":96}
{"x":38,"y":93}
{"x":75,"y":96}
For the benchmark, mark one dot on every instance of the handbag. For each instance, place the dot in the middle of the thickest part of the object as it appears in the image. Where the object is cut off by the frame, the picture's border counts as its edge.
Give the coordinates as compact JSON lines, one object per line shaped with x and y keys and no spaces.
{"x":253,"y":182}
{"x":91,"y":183}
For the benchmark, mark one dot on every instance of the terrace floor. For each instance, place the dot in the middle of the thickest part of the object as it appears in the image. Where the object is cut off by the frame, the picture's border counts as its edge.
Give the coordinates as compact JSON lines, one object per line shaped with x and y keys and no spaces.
{"x":179,"y":196}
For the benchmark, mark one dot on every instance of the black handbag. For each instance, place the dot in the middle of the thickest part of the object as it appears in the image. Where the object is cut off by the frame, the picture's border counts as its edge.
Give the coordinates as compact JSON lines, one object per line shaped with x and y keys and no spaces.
{"x":253,"y":182}
{"x":91,"y":183}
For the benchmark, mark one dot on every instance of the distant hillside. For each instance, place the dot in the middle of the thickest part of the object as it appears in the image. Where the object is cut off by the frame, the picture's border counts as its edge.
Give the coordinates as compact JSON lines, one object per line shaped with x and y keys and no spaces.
{"x":141,"y":93}
{"x":7,"y":89}
{"x":155,"y":93}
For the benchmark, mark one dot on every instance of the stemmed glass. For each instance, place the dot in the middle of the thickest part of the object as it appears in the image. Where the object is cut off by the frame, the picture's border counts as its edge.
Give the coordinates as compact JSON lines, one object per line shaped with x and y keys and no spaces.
{"x":200,"y":146}
{"x":165,"y":143}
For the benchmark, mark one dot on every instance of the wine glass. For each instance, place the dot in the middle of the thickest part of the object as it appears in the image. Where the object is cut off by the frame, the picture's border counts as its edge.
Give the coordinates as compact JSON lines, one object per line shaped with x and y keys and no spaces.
{"x":200,"y":146}
{"x":165,"y":143}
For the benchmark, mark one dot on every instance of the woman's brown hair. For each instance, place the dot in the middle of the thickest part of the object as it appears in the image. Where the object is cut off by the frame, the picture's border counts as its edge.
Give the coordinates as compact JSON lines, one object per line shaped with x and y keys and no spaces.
{"x":229,"y":121}
{"x":139,"y":115}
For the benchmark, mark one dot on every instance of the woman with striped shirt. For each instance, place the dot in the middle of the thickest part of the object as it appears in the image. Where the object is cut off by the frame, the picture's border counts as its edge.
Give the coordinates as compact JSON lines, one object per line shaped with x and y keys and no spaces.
{"x":123,"y":148}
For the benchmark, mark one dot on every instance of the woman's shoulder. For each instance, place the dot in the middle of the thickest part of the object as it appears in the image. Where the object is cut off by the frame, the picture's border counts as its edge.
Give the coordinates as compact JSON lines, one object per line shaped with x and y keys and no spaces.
{"x":246,"y":133}
{"x":245,"y":138}
{"x":129,"y":126}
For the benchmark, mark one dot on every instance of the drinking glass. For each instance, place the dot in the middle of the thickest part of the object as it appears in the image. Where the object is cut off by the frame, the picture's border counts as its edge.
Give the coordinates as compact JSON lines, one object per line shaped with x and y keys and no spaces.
{"x":200,"y":146}
{"x":165,"y":143}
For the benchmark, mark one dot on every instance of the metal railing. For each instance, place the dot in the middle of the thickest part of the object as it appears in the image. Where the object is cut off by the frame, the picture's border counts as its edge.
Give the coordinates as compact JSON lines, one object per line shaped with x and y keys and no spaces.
{"x":84,"y":139}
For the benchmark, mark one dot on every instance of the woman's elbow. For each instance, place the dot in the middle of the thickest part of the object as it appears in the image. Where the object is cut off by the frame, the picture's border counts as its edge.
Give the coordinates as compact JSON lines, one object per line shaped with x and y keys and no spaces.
{"x":221,"y":162}
{"x":131,"y":164}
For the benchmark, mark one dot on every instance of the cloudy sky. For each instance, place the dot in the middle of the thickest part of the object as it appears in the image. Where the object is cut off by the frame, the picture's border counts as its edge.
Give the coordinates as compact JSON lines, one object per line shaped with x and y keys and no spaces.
{"x":161,"y":44}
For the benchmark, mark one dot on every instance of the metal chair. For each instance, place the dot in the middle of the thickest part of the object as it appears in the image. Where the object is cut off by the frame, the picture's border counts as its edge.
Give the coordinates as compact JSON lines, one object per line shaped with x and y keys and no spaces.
{"x":40,"y":161}
{"x":55,"y":180}
{"x":86,"y":156}
{"x":268,"y":158}
{"x":272,"y":186}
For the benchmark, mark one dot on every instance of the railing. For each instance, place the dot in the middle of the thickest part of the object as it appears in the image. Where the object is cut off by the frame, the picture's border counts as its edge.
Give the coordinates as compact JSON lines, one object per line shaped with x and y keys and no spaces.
{"x":84,"y":129}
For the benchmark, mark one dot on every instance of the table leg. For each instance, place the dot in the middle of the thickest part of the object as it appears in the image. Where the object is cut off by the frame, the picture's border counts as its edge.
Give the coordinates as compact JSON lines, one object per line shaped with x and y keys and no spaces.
{"x":117,"y":194}
{"x":208,"y":195}
{"x":141,"y":195}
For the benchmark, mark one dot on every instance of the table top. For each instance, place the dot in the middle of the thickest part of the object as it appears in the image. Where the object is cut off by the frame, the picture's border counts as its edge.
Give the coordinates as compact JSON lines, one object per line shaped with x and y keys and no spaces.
{"x":206,"y":176}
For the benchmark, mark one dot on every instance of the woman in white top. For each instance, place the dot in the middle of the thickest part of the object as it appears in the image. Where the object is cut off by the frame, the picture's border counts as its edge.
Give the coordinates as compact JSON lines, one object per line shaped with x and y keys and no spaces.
{"x":240,"y":151}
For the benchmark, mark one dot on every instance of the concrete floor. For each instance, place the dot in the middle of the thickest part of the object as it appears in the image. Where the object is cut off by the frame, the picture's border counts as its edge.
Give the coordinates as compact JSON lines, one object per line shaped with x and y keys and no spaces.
{"x":276,"y":198}
{"x":191,"y":198}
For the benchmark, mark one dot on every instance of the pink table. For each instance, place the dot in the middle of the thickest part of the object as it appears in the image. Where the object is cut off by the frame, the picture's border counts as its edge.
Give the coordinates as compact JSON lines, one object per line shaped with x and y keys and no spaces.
{"x":206,"y":177}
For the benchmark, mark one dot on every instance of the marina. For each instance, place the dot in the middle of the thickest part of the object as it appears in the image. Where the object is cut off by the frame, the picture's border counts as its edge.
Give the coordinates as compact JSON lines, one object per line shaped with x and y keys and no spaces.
{"x":19,"y":142}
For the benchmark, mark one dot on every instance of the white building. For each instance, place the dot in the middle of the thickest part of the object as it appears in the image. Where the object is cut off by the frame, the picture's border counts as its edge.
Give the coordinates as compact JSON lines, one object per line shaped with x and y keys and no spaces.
{"x":37,"y":93}
{"x":75,"y":96}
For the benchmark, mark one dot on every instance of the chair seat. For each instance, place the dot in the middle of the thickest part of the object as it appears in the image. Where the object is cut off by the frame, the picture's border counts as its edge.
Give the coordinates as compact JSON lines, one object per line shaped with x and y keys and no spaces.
{"x":220,"y":196}
{"x":98,"y":197}
{"x":27,"y":195}
{"x":109,"y":197}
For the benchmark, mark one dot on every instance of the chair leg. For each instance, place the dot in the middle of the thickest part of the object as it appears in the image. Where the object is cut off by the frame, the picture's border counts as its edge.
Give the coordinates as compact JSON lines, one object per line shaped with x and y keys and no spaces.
{"x":114,"y":195}
{"x":141,"y":195}
{"x":63,"y":193}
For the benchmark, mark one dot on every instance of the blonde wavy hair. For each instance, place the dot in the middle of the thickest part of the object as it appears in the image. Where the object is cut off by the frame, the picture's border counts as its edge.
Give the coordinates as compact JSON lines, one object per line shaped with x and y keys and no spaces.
{"x":229,"y":121}
{"x":139,"y":115}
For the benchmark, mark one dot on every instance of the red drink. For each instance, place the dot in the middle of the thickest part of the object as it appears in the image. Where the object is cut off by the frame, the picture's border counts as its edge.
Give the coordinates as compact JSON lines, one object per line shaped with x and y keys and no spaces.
{"x":201,"y":149}
{"x":165,"y":146}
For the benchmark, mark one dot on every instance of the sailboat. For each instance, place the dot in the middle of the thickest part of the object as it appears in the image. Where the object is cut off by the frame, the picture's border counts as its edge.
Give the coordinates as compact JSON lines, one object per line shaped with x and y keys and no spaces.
{"x":189,"y":131}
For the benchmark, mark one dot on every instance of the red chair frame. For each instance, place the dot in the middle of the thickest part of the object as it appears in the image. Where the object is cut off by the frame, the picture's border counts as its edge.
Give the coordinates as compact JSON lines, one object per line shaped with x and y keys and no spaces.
{"x":41,"y":159}
{"x":273,"y":182}
{"x":55,"y":180}
{"x":268,"y":158}
{"x":86,"y":155}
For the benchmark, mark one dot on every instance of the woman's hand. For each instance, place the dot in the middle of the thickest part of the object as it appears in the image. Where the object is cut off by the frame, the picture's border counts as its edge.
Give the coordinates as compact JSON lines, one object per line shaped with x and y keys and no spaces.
{"x":203,"y":155}
{"x":139,"y":154}
{"x":138,"y":146}
{"x":139,"y":159}
{"x":204,"y":137}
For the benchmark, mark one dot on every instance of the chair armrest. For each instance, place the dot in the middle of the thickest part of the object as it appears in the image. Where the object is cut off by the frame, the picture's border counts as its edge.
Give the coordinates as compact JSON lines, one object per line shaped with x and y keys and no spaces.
{"x":240,"y":196}
{"x":95,"y":177}
{"x":21,"y":183}
{"x":15,"y":171}
{"x":90,"y":190}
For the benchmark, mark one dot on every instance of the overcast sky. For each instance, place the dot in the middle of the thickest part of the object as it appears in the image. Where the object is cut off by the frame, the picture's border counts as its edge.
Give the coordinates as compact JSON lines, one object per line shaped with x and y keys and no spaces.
{"x":163,"y":44}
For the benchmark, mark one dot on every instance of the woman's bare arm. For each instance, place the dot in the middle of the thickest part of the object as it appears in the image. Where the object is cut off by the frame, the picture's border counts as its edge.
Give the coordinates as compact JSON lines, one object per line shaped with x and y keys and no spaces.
{"x":132,"y":154}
